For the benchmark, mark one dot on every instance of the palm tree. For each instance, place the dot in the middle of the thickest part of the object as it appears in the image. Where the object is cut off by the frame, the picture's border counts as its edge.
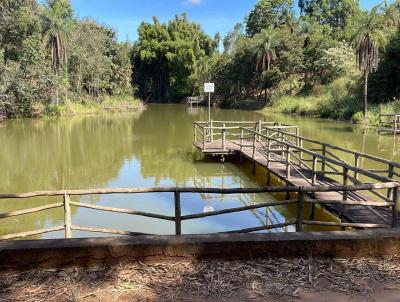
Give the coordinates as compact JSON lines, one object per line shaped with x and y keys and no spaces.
{"x":391,"y":13}
{"x":367,"y":40}
{"x":217,"y":39}
{"x":264,"y":49}
{"x":57,"y":20}
{"x":264,"y":52}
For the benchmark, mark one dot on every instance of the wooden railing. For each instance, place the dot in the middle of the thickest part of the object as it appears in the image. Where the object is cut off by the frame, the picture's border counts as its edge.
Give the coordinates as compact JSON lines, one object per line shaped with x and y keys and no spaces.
{"x":283,"y":144}
{"x":300,"y":200}
{"x":232,"y":131}
{"x":389,"y":123}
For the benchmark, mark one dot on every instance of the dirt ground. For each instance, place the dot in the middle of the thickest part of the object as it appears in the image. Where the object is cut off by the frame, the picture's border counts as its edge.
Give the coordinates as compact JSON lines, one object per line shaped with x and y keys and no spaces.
{"x":253,"y":280}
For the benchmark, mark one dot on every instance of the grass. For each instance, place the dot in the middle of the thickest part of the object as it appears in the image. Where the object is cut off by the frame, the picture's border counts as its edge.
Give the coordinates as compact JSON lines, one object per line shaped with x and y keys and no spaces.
{"x":88,"y":106}
{"x":339,"y":100}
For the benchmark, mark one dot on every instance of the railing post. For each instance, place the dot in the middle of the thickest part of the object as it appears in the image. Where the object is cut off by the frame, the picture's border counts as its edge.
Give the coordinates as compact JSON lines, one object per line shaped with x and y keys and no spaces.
{"x":178,"y":227}
{"x":67,"y":216}
{"x":241,"y":144}
{"x":356,"y":164}
{"x":300,"y":205}
{"x":259,"y":129}
{"x":223,"y":136}
{"x":288,"y":162}
{"x":204,"y":137}
{"x":314,"y":170}
{"x":323,"y":159}
{"x":301,"y":152}
{"x":395,"y":207}
{"x":297,"y":135}
{"x":345,"y":183}
{"x":390,"y":175}
{"x":254,"y":153}
{"x":211,"y":132}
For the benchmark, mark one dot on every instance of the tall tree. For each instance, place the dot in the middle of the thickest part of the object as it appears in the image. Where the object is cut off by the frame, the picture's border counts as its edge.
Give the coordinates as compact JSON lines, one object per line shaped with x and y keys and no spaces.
{"x":267,"y":13}
{"x":367,"y":40}
{"x":264,"y":51}
{"x":335,"y":13}
{"x":57,"y":20}
{"x":165,"y":58}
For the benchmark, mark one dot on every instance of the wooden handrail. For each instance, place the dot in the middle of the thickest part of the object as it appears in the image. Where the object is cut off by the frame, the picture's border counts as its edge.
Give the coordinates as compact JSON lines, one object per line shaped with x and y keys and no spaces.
{"x":330,"y":160}
{"x":365,"y":155}
{"x":178,"y":218}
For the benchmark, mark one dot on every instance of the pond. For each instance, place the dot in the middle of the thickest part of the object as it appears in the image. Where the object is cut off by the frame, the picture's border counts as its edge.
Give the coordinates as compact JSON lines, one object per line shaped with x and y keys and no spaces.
{"x":145,"y":149}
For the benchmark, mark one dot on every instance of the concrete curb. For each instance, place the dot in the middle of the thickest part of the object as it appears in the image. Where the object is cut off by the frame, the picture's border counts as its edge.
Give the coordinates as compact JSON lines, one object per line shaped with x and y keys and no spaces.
{"x":93,"y":251}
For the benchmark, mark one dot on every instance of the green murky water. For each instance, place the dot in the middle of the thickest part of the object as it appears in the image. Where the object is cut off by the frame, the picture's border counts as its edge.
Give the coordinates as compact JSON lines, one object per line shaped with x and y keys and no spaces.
{"x":144,"y":149}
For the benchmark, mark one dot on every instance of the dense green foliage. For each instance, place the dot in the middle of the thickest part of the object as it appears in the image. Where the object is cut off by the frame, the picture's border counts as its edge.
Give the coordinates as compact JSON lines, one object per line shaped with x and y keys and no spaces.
{"x":167,"y":58}
{"x":48,"y":58}
{"x":333,"y":56}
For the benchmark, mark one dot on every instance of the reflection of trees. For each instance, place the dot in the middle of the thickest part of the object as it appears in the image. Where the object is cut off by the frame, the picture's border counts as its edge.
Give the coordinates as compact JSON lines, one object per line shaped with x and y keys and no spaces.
{"x":73,"y":153}
{"x":167,"y":136}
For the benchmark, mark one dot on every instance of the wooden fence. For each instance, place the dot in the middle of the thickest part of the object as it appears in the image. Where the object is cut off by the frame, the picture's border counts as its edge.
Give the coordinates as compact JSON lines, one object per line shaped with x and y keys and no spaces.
{"x":300,"y":200}
{"x":280,"y":143}
{"x":389,"y":123}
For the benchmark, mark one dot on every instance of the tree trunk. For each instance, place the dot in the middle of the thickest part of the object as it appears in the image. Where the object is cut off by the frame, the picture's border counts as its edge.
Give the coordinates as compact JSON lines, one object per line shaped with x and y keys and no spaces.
{"x":365,"y":95}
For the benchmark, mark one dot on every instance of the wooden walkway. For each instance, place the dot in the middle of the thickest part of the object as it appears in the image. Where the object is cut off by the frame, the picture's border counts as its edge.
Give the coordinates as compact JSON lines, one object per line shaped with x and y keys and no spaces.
{"x":296,"y":172}
{"x":389,"y":123}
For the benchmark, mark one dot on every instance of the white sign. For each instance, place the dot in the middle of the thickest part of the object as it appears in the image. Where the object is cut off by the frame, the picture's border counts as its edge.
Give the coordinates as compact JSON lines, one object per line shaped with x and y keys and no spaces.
{"x":209,"y":87}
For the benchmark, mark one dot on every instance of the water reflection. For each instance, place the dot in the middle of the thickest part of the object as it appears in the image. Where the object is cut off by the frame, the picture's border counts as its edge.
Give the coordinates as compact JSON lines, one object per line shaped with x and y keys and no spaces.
{"x":144,"y":149}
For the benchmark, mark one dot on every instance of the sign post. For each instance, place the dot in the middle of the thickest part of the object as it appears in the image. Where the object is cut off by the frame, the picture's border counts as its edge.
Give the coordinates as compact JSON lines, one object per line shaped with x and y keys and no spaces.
{"x":209,"y":88}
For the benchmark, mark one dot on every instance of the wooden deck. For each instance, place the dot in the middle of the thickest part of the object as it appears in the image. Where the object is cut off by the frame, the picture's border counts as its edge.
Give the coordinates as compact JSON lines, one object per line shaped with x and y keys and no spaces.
{"x":389,"y":123}
{"x":298,"y":176}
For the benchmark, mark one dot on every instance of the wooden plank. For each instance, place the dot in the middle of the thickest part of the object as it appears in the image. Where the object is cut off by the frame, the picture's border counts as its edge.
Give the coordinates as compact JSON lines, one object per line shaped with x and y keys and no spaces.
{"x":31,"y":233}
{"x":262,"y":228}
{"x":105,"y":231}
{"x":345,"y":224}
{"x":238,"y":209}
{"x":122,"y":211}
{"x":31,"y":210}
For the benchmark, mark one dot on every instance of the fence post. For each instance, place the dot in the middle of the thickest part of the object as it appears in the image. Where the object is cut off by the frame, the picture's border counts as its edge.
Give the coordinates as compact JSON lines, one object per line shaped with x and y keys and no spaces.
{"x":178,"y":227}
{"x":390,"y":175}
{"x":395,"y":207}
{"x":288,"y":162}
{"x":323,"y":159}
{"x":259,"y":129}
{"x":297,"y":135}
{"x":301,"y":151}
{"x":345,"y":183}
{"x":254,"y":153}
{"x":223,"y":136}
{"x":204,"y":137}
{"x":300,"y":205}
{"x":211,"y":131}
{"x":356,"y":164}
{"x":67,"y":216}
{"x":241,"y":144}
{"x":314,"y":170}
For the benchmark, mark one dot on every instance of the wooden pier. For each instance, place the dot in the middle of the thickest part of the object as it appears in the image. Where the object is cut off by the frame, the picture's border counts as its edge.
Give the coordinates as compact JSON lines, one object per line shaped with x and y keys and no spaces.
{"x":122,"y":107}
{"x":280,"y":149}
{"x":389,"y":123}
{"x":193,"y":100}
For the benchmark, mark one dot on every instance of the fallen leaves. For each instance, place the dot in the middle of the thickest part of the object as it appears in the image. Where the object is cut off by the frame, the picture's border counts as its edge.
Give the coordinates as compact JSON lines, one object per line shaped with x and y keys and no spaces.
{"x":282,"y":279}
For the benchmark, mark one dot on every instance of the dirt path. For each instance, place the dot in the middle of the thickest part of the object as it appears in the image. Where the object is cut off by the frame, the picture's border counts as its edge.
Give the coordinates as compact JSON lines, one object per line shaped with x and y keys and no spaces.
{"x":256,"y":280}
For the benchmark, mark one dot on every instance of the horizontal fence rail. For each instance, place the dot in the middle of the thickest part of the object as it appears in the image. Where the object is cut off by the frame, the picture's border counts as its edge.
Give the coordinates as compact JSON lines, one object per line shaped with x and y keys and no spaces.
{"x":301,"y":199}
